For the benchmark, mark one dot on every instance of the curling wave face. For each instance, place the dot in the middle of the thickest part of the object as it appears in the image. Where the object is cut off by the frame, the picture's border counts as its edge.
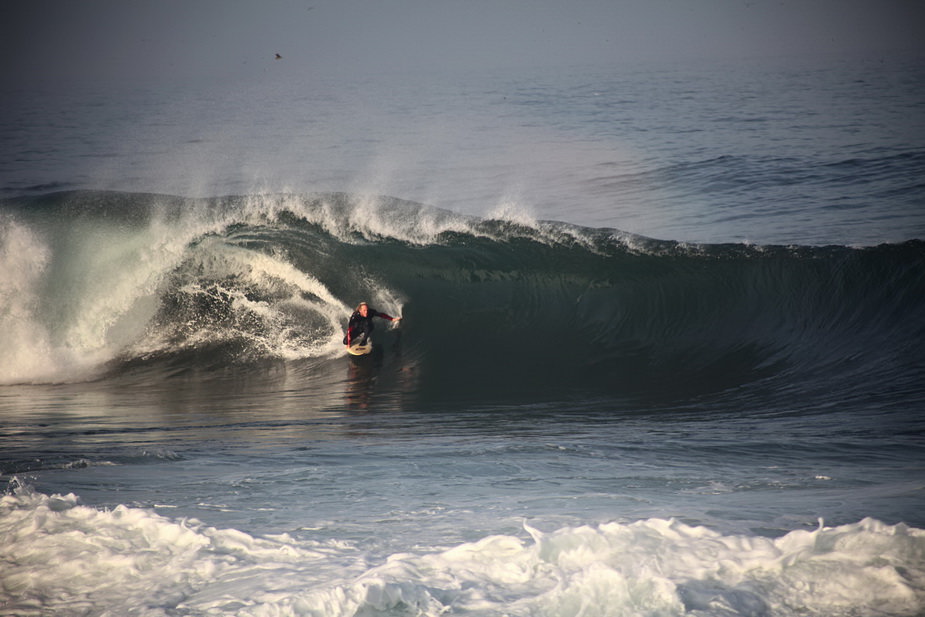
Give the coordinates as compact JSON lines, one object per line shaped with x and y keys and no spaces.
{"x":98,"y":284}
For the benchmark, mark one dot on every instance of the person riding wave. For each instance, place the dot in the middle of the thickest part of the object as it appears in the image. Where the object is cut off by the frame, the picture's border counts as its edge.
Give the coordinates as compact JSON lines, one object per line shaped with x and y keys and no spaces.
{"x":361,"y":324}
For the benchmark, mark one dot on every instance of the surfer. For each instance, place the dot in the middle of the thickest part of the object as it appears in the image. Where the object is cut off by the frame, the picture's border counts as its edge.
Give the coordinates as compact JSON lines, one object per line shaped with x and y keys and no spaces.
{"x":361,"y":324}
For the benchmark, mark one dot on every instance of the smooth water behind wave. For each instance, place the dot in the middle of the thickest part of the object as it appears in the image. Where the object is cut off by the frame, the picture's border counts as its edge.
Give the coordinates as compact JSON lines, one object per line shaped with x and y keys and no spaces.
{"x":807,"y":153}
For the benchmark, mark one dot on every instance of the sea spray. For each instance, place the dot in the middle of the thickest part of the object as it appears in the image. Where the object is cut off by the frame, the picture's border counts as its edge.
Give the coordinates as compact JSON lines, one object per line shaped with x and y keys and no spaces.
{"x":23,"y":337}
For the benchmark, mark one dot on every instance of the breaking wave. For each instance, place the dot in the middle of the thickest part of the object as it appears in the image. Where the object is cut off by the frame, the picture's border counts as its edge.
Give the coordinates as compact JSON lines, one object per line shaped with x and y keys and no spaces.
{"x":99,"y":283}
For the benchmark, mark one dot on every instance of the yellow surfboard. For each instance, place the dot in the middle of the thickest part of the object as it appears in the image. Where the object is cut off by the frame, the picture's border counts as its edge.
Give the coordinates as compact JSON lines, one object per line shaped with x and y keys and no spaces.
{"x":361,"y":350}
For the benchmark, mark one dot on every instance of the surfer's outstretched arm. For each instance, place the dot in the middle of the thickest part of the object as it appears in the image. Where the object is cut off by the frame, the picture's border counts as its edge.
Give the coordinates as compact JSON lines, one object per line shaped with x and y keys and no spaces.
{"x":383,"y":316}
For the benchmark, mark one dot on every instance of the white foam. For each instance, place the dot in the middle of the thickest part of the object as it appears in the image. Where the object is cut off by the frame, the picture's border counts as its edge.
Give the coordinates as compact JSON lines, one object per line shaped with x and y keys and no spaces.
{"x":76,"y":294}
{"x":74,"y":303}
{"x":64,"y":558}
{"x":367,"y":217}
{"x":23,"y":338}
{"x":371,"y":218}
{"x":278,"y":329}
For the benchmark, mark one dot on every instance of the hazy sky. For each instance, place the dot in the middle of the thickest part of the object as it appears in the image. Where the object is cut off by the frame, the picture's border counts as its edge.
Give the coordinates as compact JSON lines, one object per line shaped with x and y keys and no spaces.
{"x":183,"y":39}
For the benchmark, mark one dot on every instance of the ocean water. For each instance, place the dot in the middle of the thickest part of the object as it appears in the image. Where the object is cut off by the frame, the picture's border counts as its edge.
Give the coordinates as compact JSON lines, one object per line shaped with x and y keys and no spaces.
{"x":662,"y":347}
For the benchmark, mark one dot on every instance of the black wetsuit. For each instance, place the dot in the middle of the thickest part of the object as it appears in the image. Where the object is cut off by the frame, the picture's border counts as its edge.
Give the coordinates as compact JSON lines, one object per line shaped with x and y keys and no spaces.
{"x":360,"y":327}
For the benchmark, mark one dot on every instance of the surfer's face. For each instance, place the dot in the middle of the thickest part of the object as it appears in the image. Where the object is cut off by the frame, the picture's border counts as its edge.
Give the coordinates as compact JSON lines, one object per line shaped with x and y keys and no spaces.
{"x":364,"y":310}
